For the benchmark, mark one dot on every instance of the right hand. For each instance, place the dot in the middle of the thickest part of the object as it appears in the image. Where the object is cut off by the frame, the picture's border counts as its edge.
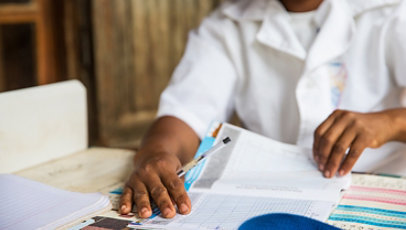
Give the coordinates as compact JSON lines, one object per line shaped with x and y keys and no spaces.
{"x":155,"y":177}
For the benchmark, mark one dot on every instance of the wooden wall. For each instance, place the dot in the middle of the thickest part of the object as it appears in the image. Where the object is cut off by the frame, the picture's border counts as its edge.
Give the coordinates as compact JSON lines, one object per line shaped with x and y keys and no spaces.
{"x":78,"y":51}
{"x":2,"y":78}
{"x":137,"y":44}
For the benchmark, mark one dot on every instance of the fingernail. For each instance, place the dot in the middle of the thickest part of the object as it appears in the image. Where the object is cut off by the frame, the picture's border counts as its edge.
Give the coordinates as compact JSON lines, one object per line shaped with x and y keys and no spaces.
{"x":123,"y":207}
{"x":144,"y":211}
{"x":327,"y":174}
{"x":341,"y":172}
{"x":166,"y":212}
{"x":321,"y":167}
{"x":183,"y":208}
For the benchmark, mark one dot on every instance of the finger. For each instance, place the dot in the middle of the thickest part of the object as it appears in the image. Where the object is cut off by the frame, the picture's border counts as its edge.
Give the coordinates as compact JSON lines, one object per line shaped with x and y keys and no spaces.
{"x":319,"y":132}
{"x":126,"y":200}
{"x":338,"y":152}
{"x":357,"y":147}
{"x":330,"y":137}
{"x":141,"y":199}
{"x":177,"y":191}
{"x":160,"y":195}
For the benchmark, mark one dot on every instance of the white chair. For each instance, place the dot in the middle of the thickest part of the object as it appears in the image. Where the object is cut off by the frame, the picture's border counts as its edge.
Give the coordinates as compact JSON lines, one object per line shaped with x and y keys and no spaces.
{"x":42,"y":123}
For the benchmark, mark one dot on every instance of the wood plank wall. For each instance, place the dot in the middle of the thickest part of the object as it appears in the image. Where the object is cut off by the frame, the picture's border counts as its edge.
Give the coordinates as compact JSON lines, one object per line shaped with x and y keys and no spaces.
{"x":2,"y":87}
{"x":79,"y":55}
{"x":137,"y":44}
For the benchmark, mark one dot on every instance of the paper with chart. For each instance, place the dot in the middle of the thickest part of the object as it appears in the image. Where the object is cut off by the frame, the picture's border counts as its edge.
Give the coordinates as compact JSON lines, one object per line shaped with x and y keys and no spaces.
{"x":254,"y":175}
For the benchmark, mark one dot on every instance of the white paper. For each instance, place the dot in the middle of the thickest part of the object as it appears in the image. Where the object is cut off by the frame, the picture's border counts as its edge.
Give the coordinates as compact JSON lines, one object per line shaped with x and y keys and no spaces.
{"x":219,"y":211}
{"x":252,"y":176}
{"x":26,"y":204}
{"x":260,"y":166}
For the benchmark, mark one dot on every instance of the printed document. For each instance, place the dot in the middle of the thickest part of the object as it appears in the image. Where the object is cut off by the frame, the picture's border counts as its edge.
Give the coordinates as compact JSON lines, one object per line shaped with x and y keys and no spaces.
{"x":253,"y":175}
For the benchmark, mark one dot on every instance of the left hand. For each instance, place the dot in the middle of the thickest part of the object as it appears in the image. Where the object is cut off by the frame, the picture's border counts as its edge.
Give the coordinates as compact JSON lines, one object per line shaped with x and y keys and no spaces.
{"x":349,"y":131}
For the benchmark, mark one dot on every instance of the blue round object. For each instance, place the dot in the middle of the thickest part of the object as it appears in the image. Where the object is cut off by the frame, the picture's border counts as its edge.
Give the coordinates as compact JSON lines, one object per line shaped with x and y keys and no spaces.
{"x":282,"y":221}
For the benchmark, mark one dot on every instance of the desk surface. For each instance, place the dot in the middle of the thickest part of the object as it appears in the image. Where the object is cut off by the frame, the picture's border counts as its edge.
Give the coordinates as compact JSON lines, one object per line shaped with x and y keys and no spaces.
{"x":103,"y":170}
{"x":92,"y":170}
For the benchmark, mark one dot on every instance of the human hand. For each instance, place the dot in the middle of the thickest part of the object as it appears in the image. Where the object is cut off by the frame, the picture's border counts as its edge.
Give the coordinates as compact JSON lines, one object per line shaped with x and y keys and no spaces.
{"x":155,"y":176}
{"x":349,"y":131}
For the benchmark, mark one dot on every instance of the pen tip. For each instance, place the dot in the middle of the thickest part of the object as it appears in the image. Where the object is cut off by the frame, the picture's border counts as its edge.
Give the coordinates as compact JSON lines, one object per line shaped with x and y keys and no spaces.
{"x":226,"y":140}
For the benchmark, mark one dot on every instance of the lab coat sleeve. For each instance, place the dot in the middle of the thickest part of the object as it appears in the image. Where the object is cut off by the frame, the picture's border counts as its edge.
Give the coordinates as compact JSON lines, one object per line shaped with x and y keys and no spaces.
{"x":202,"y":87}
{"x":396,"y":54}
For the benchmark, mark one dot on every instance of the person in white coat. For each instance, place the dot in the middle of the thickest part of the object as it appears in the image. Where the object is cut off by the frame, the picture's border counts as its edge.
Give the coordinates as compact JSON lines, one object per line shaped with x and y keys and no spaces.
{"x":330,"y":75}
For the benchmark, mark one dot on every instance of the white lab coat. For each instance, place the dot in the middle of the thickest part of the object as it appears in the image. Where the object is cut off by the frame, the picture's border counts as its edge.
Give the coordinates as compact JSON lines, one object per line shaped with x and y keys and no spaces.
{"x":245,"y":57}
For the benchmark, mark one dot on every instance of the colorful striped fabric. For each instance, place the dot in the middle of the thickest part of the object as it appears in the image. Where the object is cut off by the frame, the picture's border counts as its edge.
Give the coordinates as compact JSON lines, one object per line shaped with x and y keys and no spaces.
{"x":372,"y":202}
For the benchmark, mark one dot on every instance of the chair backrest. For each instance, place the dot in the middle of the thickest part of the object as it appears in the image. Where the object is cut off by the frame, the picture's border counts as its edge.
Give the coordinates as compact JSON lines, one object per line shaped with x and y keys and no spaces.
{"x":42,"y":123}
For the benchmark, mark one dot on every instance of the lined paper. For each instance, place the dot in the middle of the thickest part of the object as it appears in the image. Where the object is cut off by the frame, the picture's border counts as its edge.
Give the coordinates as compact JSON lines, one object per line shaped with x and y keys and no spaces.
{"x":253,"y":175}
{"x":219,"y":211}
{"x":26,"y":204}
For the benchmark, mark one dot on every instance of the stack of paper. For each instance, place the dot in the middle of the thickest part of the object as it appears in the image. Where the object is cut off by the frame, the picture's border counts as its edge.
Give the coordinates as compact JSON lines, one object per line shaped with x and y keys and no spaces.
{"x":253,"y":175}
{"x":26,"y":204}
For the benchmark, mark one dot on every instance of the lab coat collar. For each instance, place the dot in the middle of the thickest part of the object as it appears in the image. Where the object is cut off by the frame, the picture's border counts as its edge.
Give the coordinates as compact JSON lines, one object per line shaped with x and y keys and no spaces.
{"x":337,"y":27}
{"x":240,"y":10}
{"x":335,"y":19}
{"x":256,"y":10}
{"x":360,"y":6}
{"x":276,"y":31}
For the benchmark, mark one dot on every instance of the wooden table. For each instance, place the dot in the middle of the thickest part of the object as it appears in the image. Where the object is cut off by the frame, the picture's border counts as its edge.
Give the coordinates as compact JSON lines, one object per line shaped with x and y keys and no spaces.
{"x":93,"y":170}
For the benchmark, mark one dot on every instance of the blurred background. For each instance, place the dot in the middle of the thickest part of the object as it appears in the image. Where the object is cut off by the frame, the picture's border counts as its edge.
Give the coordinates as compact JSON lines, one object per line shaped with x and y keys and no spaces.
{"x":124,"y":52}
